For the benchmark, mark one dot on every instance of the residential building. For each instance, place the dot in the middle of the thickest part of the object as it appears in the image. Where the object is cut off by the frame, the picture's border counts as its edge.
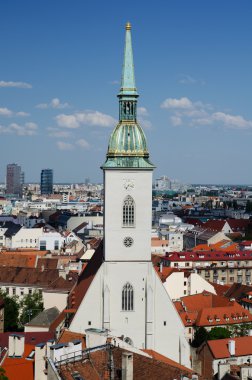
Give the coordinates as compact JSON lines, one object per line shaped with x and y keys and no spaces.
{"x":119,"y":290}
{"x":218,"y":357}
{"x":13,"y":179}
{"x":46,"y":181}
{"x":208,"y":310}
{"x":180,"y":283}
{"x":217,"y":266}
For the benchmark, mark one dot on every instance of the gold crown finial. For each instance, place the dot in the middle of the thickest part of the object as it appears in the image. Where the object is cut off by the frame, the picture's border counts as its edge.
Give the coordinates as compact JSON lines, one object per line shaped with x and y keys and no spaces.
{"x":128,"y":26}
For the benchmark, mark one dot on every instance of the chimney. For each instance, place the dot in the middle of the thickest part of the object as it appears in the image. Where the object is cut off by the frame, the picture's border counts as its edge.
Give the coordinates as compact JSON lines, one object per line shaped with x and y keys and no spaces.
{"x":127,"y":366}
{"x":161,"y":267}
{"x":231,"y":347}
{"x":16,"y":345}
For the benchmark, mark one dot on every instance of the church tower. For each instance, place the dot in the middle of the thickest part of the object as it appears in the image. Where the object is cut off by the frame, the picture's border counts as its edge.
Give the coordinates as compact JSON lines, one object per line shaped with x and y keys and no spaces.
{"x":119,"y":290}
{"x":127,"y":177}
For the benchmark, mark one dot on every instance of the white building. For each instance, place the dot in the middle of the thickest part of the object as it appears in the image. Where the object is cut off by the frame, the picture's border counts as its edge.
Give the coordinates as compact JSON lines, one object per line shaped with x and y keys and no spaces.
{"x":180,"y":283}
{"x":122,"y":292}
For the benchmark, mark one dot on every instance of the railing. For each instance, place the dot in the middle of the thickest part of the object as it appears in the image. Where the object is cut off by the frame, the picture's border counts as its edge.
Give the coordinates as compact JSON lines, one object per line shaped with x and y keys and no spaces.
{"x":72,"y":357}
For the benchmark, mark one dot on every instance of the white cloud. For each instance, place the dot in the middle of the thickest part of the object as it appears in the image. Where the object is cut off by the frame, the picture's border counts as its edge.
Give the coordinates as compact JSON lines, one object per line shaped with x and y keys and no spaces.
{"x":5,"y":112}
{"x":67,"y":121}
{"x":59,"y":133}
{"x":146,"y":124}
{"x":184,"y":111}
{"x":28,"y":129}
{"x":176,"y":120}
{"x":188,"y":79}
{"x":83,"y":143}
{"x":142,"y":111}
{"x":54,"y":103}
{"x":92,"y":118}
{"x":64,"y":146}
{"x":182,"y":103}
{"x":22,"y":114}
{"x":233,"y":121}
{"x":15,"y":84}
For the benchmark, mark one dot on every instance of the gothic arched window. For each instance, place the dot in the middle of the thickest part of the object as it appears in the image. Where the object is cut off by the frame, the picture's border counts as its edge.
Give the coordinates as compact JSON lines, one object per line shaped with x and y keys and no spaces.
{"x":127,"y":297}
{"x":128,"y":212}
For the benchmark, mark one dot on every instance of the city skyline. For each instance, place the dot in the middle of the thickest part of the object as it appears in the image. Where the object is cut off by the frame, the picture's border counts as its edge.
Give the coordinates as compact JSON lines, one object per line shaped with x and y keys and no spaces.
{"x":60,"y":75}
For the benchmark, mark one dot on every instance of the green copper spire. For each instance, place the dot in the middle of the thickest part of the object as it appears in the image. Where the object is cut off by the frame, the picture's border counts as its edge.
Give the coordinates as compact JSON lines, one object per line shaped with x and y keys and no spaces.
{"x":128,"y":85}
{"x":127,"y":145}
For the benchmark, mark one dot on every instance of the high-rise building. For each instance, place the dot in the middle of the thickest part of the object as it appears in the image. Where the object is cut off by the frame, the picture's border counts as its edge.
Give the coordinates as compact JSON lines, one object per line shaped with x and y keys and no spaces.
{"x":13,"y":179}
{"x":119,"y":291}
{"x":46,"y":181}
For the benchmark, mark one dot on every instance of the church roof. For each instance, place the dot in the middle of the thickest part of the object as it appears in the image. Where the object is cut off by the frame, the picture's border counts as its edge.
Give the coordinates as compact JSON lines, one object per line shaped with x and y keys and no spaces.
{"x":86,"y":278}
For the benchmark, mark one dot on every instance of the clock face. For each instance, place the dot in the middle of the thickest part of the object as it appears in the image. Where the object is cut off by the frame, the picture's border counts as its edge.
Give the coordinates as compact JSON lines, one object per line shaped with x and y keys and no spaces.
{"x":128,"y":184}
{"x":128,"y":241}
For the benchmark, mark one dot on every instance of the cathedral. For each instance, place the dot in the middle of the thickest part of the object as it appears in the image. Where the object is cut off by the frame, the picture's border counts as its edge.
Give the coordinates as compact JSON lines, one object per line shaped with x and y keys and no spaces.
{"x":119,"y":289}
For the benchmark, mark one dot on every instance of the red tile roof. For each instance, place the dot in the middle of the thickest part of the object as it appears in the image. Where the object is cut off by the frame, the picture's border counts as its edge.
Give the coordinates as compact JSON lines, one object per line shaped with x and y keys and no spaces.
{"x":219,"y":347}
{"x":208,"y":256}
{"x":215,"y":224}
{"x":228,"y":315}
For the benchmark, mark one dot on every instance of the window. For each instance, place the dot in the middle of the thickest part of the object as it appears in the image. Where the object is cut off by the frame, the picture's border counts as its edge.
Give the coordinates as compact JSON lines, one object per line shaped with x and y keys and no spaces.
{"x":128,"y":212}
{"x":89,"y":323}
{"x":127,"y":297}
{"x":164,"y":323}
{"x":56,"y":245}
{"x":30,"y":291}
{"x":14,"y":291}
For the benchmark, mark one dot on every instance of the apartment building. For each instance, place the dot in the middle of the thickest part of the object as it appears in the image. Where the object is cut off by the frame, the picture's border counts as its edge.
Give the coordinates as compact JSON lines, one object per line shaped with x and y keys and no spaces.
{"x":216,"y":267}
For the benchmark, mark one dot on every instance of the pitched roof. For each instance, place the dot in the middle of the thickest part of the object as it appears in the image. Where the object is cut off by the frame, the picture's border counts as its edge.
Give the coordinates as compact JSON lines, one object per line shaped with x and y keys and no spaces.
{"x":238,"y":291}
{"x":86,"y":277}
{"x":228,"y":315}
{"x":69,"y":336}
{"x":47,"y":263}
{"x":28,"y":276}
{"x":219,"y":347}
{"x":44,"y":318}
{"x":208,"y":256}
{"x":18,"y":261}
{"x":197,"y":302}
{"x":215,"y":224}
{"x":96,"y":366}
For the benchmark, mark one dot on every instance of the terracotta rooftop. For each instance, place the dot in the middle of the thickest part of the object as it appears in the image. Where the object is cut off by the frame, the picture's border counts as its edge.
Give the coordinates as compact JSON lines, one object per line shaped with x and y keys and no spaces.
{"x":47,"y":263}
{"x":219,"y":347}
{"x":208,"y":256}
{"x":16,"y":260}
{"x":28,"y":276}
{"x":202,"y":300}
{"x":228,"y":315}
{"x":69,"y":336}
{"x":238,"y":291}
{"x":96,"y":367}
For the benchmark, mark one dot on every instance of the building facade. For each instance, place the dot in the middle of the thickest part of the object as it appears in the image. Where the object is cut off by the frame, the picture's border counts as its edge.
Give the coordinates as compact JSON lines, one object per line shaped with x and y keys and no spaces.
{"x":46,"y":181}
{"x":13,"y":179}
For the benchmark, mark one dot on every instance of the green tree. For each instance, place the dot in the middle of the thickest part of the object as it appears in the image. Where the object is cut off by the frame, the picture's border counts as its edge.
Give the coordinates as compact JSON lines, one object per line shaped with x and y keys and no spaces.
{"x":2,"y":374}
{"x":11,"y":310}
{"x":200,"y":336}
{"x":31,"y":305}
{"x":219,"y":333}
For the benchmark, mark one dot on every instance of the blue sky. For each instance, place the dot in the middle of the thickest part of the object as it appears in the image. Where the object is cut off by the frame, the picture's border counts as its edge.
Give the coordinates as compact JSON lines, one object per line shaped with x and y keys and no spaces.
{"x":60,"y":71}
